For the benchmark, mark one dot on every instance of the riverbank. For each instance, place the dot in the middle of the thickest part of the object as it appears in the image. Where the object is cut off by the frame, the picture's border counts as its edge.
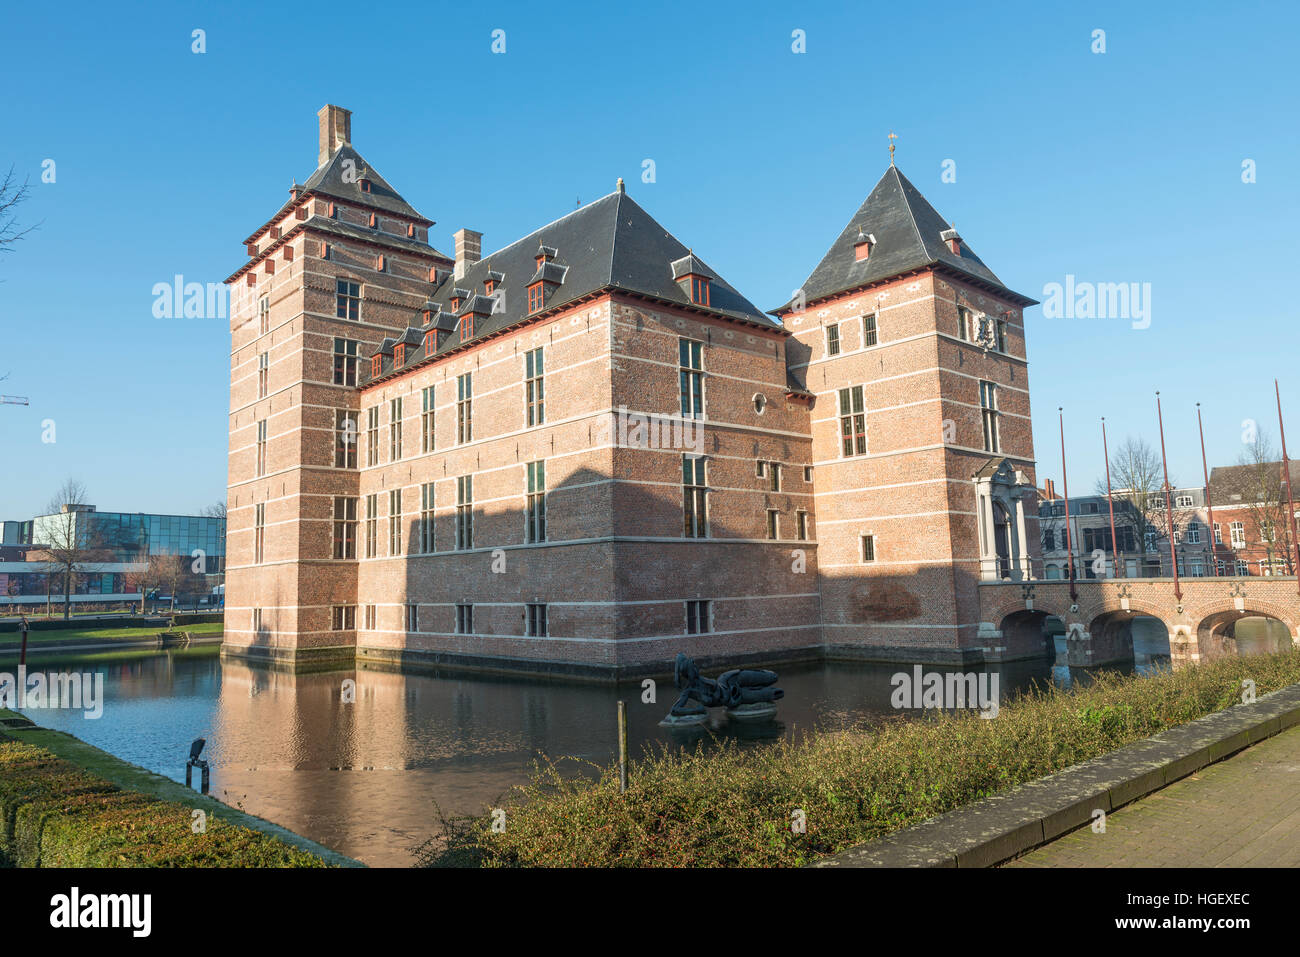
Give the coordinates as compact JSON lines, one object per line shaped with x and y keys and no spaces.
{"x":734,"y":807}
{"x":80,"y":643}
{"x":64,"y":803}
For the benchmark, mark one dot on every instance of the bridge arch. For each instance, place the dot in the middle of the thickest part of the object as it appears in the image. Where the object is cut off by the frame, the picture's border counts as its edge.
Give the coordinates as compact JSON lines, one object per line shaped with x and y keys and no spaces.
{"x":1216,"y":634}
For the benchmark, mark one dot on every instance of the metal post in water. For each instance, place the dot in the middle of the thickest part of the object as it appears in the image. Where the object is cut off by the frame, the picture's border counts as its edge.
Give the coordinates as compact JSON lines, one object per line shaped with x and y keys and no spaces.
{"x":622,"y":747}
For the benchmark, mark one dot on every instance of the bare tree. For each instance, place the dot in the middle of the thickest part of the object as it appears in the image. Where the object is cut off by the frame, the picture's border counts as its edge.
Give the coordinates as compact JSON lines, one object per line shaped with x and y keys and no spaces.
{"x":1138,"y":483}
{"x":67,"y":538}
{"x":172,"y":572}
{"x":12,"y":195}
{"x":1265,"y":498}
{"x":215,"y":510}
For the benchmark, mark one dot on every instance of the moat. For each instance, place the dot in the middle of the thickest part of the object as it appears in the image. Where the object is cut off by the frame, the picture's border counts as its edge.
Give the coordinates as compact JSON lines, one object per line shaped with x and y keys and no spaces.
{"x":362,"y":777}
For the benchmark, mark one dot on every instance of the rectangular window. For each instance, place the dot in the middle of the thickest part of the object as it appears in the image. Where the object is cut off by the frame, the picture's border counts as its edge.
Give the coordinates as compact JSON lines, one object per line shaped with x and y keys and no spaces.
{"x":535,"y":620}
{"x":773,"y":524}
{"x":694,"y":496}
{"x":465,"y":512}
{"x":347,"y":299}
{"x":698,"y":617}
{"x":464,"y":619}
{"x":395,"y":521}
{"x":774,"y":476}
{"x":1049,"y":540}
{"x":801,"y":525}
{"x":963,"y":323}
{"x":699,"y":291}
{"x":1183,"y":501}
{"x":1243,"y":567}
{"x":412,"y":617}
{"x":263,"y":373}
{"x":1001,"y":329}
{"x":535,"y":297}
{"x":1237,"y":534}
{"x":345,"y":527}
{"x":868,"y":548}
{"x":261,"y":447}
{"x":257,"y":620}
{"x":534,"y":391}
{"x":464,"y":408}
{"x":372,"y":435}
{"x":345,"y":361}
{"x":345,"y":439}
{"x":1193,"y":533}
{"x":259,"y":533}
{"x":808,"y":474}
{"x":426,"y":518}
{"x":869,"y":336}
{"x":264,"y":315}
{"x":372,"y":525}
{"x":371,"y":617}
{"x":760,"y":468}
{"x":394,"y":429}
{"x":1218,"y":534}
{"x":690,"y":356}
{"x":853,"y":421}
{"x":535,"y":507}
{"x":833,"y":339}
{"x":344,"y":617}
{"x":426,"y":419}
{"x":989,"y":415}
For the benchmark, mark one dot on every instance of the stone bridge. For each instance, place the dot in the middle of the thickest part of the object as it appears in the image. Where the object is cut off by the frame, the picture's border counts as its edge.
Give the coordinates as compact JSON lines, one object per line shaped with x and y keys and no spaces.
{"x":1098,"y":614}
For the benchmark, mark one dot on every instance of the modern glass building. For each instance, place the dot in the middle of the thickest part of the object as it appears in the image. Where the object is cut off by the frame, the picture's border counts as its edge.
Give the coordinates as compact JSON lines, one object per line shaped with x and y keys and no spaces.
{"x":135,"y":536}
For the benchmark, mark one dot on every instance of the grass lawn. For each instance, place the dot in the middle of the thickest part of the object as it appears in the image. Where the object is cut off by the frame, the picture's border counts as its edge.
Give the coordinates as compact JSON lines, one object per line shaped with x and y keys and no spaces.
{"x":103,"y":634}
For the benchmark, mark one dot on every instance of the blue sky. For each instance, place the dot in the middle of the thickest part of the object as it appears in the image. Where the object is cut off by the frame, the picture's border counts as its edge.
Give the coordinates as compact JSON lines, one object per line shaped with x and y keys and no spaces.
{"x":1123,"y":166}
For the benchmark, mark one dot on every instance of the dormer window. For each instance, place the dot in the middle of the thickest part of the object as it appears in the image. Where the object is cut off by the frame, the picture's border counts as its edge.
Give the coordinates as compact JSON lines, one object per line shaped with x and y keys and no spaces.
{"x":535,"y":297}
{"x":693,"y":278}
{"x":467,"y":327}
{"x":455,"y":303}
{"x":333,"y":211}
{"x":376,"y":366}
{"x":430,"y":341}
{"x":488,"y":285}
{"x":399,"y":354}
{"x":365,"y":186}
{"x":699,"y":290}
{"x":862,"y":245}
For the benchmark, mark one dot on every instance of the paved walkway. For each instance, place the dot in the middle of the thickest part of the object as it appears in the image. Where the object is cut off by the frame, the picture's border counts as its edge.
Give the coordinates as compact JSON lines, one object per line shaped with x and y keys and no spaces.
{"x":1244,"y":811}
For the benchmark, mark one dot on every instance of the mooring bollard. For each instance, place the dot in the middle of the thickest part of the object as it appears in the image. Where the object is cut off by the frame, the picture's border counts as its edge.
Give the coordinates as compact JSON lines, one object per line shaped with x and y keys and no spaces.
{"x":622,"y":747}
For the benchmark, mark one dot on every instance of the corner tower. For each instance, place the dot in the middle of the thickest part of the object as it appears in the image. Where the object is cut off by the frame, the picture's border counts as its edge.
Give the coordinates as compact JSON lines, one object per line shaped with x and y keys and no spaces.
{"x":922,"y":448}
{"x":344,"y":263}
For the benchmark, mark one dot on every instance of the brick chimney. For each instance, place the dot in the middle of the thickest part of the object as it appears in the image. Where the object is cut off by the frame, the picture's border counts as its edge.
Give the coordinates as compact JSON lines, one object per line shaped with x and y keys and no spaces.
{"x":469,"y":250}
{"x":335,"y":130}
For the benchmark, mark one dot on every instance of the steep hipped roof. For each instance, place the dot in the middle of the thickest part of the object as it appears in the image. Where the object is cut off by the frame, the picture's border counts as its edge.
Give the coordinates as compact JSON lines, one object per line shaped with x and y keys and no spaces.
{"x":341,"y":178}
{"x":1246,"y":484}
{"x":611,"y":244}
{"x":907,"y":231}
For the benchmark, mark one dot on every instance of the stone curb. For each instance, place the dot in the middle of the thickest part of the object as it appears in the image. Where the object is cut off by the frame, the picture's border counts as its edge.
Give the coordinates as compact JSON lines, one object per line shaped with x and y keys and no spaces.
{"x":997,"y":828}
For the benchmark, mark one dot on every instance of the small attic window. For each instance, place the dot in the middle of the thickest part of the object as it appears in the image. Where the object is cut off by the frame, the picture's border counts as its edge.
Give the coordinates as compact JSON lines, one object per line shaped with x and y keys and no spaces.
{"x":487,"y":287}
{"x":399,"y":354}
{"x":535,"y":297}
{"x":376,"y":366}
{"x":333,"y":211}
{"x":467,"y":327}
{"x":410,"y":230}
{"x":365,"y":186}
{"x":862,"y":245}
{"x":430,"y":342}
{"x":699,"y":290}
{"x":455,"y":303}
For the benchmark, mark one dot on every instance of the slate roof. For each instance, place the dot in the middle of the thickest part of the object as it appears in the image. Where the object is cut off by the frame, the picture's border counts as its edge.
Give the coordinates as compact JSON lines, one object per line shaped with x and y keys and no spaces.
{"x":1240,"y":485}
{"x":908,"y":236}
{"x":328,"y":180}
{"x":610,"y":244}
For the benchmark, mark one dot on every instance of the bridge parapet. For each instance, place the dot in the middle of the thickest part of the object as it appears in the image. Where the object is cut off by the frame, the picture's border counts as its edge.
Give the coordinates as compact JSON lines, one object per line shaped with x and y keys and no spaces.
{"x":1196,"y":621}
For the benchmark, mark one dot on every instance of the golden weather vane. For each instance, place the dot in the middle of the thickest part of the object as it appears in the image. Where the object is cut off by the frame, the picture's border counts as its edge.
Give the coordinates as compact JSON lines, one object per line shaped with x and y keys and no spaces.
{"x":892,"y":137}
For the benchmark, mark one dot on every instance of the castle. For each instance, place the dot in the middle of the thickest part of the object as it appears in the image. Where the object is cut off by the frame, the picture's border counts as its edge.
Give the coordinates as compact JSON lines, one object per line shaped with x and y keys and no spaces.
{"x":587,"y":451}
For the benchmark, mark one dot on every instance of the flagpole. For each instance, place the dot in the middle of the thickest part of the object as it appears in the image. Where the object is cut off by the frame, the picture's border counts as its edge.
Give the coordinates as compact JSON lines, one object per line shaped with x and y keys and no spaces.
{"x":1286,"y":474}
{"x":1110,"y":503}
{"x":1065,"y":481}
{"x":1209,"y":501}
{"x":1169,"y":505}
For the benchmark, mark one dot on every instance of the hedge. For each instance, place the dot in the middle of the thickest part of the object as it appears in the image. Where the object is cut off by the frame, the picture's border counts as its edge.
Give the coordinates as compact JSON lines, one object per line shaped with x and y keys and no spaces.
{"x":54,"y":814}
